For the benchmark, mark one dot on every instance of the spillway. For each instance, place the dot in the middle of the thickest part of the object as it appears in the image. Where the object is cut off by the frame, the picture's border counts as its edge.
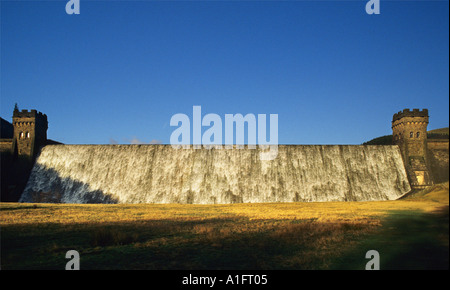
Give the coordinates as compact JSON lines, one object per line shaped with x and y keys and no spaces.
{"x":162,"y":174}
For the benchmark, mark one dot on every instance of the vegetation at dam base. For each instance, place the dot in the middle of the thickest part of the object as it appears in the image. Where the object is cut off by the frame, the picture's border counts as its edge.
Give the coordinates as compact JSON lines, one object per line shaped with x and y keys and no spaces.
{"x":410,"y":233}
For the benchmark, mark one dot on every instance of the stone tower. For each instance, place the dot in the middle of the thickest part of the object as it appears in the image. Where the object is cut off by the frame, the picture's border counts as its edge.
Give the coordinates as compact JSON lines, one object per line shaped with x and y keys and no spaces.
{"x":30,"y":132}
{"x":409,"y":131}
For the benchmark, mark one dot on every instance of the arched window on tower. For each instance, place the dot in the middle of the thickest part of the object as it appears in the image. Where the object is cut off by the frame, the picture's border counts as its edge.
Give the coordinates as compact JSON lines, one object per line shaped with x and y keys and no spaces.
{"x":28,"y":134}
{"x":411,"y":134}
{"x":21,"y":135}
{"x":418,"y":135}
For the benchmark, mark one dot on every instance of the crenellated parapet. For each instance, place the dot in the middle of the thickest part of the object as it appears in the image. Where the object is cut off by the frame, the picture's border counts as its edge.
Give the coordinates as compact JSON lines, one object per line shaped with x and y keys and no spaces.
{"x":29,"y":114}
{"x":32,"y":117}
{"x":408,"y":113}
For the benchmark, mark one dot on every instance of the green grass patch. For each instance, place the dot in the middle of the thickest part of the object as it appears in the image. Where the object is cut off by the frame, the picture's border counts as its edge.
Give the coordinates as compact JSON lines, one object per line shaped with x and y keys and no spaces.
{"x":407,"y":240}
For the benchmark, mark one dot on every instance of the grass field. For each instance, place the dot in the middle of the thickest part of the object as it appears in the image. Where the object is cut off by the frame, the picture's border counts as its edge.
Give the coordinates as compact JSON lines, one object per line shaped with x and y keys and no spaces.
{"x":411,"y":233}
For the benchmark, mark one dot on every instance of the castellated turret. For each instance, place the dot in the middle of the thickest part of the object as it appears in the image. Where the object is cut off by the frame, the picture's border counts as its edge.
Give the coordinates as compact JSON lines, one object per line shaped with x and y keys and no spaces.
{"x":30,"y":132}
{"x":409,"y":131}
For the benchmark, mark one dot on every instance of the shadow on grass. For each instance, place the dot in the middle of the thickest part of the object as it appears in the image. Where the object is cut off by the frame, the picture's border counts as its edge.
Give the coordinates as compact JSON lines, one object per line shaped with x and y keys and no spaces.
{"x":229,"y":244}
{"x":408,"y":240}
{"x":155,"y":244}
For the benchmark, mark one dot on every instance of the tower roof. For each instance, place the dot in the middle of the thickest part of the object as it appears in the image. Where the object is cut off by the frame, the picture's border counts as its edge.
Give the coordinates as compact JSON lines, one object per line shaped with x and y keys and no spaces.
{"x":409,"y":113}
{"x":29,"y":114}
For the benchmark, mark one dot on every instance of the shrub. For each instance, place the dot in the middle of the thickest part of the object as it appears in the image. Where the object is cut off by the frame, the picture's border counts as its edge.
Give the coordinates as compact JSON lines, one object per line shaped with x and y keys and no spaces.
{"x":103,"y":237}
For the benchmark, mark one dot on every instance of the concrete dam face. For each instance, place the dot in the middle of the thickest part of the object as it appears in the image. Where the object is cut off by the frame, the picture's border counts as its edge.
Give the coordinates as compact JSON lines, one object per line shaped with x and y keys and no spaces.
{"x":162,"y":174}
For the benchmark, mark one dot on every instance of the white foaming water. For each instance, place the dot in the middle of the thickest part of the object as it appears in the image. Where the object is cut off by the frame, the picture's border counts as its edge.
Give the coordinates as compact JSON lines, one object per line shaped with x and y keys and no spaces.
{"x":161,"y":174}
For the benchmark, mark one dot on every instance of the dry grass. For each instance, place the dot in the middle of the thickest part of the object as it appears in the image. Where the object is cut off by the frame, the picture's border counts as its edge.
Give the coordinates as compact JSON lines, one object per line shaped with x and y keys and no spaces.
{"x":21,"y":214}
{"x":233,"y":236}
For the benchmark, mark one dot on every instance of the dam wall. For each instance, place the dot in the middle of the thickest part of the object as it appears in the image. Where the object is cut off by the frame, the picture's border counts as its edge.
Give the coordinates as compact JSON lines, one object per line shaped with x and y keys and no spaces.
{"x":162,"y":174}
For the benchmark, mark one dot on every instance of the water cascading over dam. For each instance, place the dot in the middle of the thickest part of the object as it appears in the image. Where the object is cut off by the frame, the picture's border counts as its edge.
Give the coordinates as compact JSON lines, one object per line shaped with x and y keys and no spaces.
{"x":162,"y":174}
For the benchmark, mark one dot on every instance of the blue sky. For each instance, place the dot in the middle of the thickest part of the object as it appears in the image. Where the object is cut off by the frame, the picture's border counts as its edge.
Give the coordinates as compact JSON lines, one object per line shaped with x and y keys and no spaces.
{"x":119,"y":70}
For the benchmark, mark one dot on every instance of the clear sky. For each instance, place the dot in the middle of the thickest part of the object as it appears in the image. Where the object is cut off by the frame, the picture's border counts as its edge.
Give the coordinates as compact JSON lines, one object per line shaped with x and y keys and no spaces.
{"x":119,"y":70}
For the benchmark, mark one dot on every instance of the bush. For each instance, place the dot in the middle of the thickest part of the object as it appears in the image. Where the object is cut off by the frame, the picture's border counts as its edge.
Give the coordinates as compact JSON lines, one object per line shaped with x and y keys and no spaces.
{"x":103,"y":237}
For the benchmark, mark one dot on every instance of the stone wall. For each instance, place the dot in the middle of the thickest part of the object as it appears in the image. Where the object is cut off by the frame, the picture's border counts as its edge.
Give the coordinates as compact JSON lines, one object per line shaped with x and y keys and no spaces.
{"x":438,"y":155}
{"x":438,"y":144}
{"x":6,"y":145}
